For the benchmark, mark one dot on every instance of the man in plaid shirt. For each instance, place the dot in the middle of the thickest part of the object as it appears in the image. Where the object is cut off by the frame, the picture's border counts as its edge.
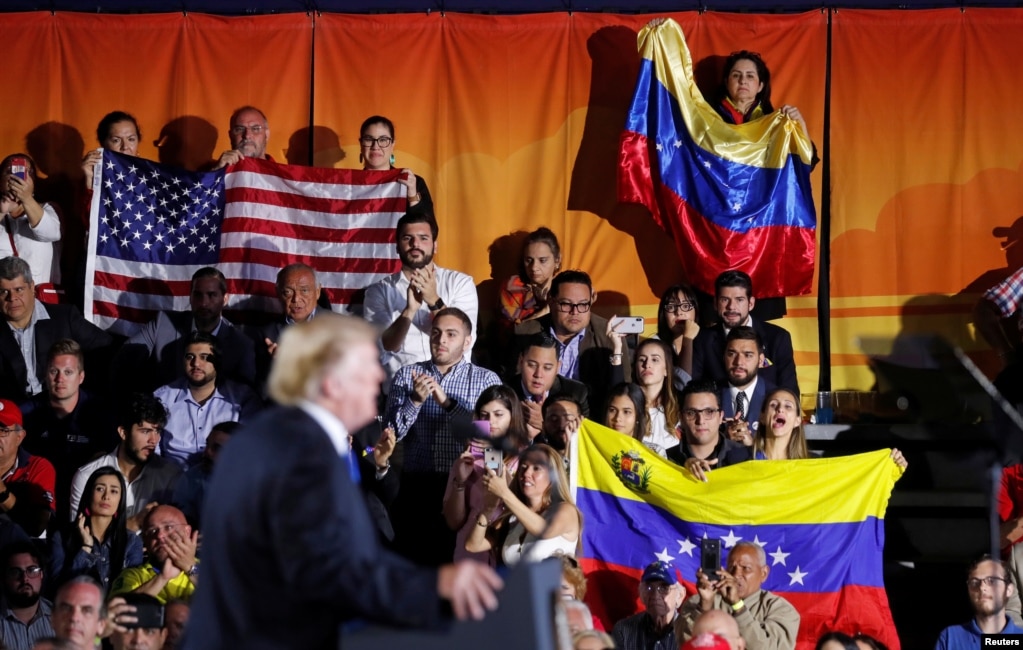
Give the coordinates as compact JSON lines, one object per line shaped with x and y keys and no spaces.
{"x":1002,"y":301}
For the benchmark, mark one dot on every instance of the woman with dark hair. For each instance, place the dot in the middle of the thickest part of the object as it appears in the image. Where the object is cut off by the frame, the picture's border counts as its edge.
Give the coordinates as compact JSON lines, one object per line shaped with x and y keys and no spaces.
{"x":524,"y":296}
{"x":31,"y":229}
{"x":626,"y":413}
{"x":745,"y":91}
{"x":97,"y":541}
{"x":498,"y":406}
{"x":117,"y":131}
{"x":539,"y":521}
{"x":678,"y":323}
{"x":376,"y":153}
{"x":654,"y":372}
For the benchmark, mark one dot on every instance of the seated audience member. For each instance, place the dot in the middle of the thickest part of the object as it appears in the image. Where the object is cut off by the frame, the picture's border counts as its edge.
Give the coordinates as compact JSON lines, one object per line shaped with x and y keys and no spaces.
{"x":720,"y":624}
{"x":425,"y":398}
{"x":26,"y":614}
{"x":31,"y":229}
{"x":524,"y":296}
{"x":66,"y":424}
{"x":160,"y":345}
{"x":780,"y":433}
{"x":588,"y":349}
{"x":175,"y":618}
{"x":562,"y":415}
{"x":766,"y":621}
{"x":465,"y":494}
{"x":743,"y":393}
{"x":538,"y":377}
{"x":733,"y":298}
{"x":578,"y":616}
{"x":249,"y":133}
{"x":592,"y":640}
{"x":539,"y":519}
{"x":190,"y":490}
{"x":406,"y":303}
{"x":96,"y":541}
{"x":702,"y":447}
{"x":661,"y":594}
{"x":197,"y":401}
{"x":149,"y":477}
{"x":573,"y":585}
{"x":678,"y":323}
{"x":79,"y":612}
{"x":653,"y":373}
{"x":171,"y":570}
{"x":135,"y":637}
{"x":298,"y":291}
{"x":626,"y":413}
{"x":989,"y":584}
{"x":32,"y":329}
{"x":707,"y":642}
{"x":866,"y":642}
{"x":836,"y":641}
{"x":376,"y":139}
{"x":27,"y":482}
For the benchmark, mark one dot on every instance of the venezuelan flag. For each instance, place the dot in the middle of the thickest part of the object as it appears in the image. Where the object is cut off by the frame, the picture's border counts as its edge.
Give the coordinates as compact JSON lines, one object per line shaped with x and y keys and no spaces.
{"x":819,"y":521}
{"x":731,"y":196}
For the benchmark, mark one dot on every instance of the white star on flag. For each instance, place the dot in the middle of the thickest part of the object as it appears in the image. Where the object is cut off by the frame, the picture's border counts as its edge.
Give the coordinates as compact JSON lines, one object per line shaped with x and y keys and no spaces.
{"x":663,"y":556}
{"x":736,"y":206}
{"x":659,"y":146}
{"x":730,"y":539}
{"x":797,"y":576}
{"x":756,"y":540}
{"x":685,"y":546}
{"x":779,"y":557}
{"x":678,"y":144}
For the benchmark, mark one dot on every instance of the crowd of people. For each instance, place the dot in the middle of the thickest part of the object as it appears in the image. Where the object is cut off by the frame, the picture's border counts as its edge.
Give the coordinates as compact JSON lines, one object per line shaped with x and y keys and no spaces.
{"x":108,"y":477}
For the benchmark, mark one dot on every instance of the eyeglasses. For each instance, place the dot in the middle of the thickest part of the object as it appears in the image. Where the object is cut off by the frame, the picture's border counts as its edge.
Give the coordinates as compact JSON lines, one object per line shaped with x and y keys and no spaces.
{"x":7,"y":432}
{"x":975,"y":583}
{"x":155,"y":530}
{"x":240,"y":130}
{"x":677,"y":307}
{"x":660,"y":588}
{"x":15,"y":573}
{"x":382,"y":142}
{"x":690,"y":414}
{"x":566,"y":307}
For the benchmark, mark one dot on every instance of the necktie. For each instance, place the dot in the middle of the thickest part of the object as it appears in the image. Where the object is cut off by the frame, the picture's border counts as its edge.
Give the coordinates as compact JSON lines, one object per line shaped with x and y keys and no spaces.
{"x":740,"y":405}
{"x":353,"y":465}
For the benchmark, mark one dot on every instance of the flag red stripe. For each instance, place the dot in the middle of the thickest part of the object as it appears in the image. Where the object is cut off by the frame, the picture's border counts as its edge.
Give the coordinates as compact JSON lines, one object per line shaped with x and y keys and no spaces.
{"x":315,"y":203}
{"x":334,"y":235}
{"x":324,"y":175}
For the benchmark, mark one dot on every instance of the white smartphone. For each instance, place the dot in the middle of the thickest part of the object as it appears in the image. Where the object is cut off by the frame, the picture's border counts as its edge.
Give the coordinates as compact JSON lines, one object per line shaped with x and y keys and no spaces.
{"x":493,"y":459}
{"x":629,"y":324}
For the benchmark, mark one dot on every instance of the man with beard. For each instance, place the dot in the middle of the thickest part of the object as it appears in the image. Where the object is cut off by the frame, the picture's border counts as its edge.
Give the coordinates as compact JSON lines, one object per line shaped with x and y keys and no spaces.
{"x":702,"y":446}
{"x":766,"y":621}
{"x":404,"y":304}
{"x":990,"y":585}
{"x":160,"y":344}
{"x":249,"y":133}
{"x":172,"y":570}
{"x":150,"y":479}
{"x":733,"y":300}
{"x":743,"y":397}
{"x":198,"y":401}
{"x":26,"y":615}
{"x":424,"y":400}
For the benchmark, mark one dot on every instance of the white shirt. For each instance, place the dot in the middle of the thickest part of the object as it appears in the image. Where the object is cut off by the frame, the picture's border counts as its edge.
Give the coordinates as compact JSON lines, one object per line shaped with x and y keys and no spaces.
{"x":35,"y":245}
{"x":658,"y":434}
{"x":334,"y":427}
{"x":155,"y":482}
{"x":386,"y":299}
{"x":748,"y":390}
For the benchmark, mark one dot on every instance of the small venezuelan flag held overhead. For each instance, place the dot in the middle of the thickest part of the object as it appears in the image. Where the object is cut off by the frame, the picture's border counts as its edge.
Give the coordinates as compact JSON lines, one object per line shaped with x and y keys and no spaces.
{"x":820,"y":522}
{"x":731,"y":196}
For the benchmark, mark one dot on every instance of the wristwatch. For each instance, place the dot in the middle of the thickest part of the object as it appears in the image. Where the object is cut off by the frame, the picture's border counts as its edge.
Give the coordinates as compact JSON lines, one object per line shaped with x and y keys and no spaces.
{"x":437,"y":305}
{"x":193,"y":571}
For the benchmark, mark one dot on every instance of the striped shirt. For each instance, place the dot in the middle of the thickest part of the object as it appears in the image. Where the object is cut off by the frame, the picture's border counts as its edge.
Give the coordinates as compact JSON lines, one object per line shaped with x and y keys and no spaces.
{"x":1008,"y":294}
{"x":19,"y":636}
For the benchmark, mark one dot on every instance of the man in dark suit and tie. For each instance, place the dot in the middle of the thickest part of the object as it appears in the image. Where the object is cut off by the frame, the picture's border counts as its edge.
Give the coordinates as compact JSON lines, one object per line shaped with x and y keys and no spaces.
{"x":31,"y":328}
{"x":289,"y":550}
{"x":743,"y":397}
{"x":538,"y":378}
{"x":298,"y":291}
{"x":733,"y":299}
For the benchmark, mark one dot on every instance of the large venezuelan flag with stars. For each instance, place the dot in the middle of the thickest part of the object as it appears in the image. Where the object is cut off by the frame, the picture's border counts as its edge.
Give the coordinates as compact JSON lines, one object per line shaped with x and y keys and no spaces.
{"x":731,"y":196}
{"x":820,"y":522}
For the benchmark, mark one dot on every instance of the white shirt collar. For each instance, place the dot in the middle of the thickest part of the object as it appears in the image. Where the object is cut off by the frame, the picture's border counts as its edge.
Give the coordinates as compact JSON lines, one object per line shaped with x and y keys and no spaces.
{"x":748,"y":323}
{"x":334,"y":428}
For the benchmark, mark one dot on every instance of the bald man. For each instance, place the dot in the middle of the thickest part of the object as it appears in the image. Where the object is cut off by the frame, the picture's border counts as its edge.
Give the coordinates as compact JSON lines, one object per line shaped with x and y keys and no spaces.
{"x":723,"y":625}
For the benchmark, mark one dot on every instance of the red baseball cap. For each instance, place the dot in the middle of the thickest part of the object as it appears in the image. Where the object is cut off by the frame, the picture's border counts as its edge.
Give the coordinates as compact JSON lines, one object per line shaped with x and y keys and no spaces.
{"x":707,"y":642}
{"x":10,"y":414}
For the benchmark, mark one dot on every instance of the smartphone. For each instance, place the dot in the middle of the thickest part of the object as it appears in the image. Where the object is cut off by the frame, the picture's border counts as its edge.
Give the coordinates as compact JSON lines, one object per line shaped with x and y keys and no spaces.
{"x":493,"y":459}
{"x":477,"y":448}
{"x":19,"y":167}
{"x":710,"y":558}
{"x":629,"y":324}
{"x":149,"y":615}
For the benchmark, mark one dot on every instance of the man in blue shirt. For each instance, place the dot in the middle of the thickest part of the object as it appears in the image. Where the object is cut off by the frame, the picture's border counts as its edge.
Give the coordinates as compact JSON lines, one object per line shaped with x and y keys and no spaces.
{"x":990,"y":585}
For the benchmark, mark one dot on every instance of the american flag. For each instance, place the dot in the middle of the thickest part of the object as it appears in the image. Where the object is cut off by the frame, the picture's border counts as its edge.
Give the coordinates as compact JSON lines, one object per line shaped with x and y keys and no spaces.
{"x":153,"y":226}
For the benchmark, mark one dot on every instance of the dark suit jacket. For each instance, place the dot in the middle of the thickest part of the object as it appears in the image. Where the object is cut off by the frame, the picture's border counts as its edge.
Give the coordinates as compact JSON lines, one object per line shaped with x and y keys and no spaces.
{"x":756,"y":401}
{"x":709,"y":353}
{"x":160,"y":347}
{"x":595,"y":369}
{"x":289,"y":550}
{"x":65,"y":322}
{"x":726,"y":452}
{"x":561,"y":386}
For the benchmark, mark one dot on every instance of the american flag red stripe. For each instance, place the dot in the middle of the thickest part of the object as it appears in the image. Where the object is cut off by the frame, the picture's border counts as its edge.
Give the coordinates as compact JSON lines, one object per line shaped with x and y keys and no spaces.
{"x":153,"y":226}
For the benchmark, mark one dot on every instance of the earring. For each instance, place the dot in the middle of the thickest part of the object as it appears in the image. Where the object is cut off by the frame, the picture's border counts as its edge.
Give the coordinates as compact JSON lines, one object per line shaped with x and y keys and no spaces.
{"x":392,"y":160}
{"x":361,"y":159}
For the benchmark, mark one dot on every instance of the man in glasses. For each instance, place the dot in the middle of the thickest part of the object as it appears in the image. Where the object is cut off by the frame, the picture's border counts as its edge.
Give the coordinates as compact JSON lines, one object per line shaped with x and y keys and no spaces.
{"x":26,"y":615}
{"x":27,"y":482}
{"x":990,"y":584}
{"x":249,"y":132}
{"x":702,"y":447}
{"x":588,"y":350}
{"x":172,"y":571}
{"x":654,"y":627}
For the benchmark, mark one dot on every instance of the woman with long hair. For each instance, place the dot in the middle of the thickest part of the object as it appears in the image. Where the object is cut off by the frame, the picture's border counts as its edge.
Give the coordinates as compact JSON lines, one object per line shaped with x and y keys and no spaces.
{"x":678,"y":323}
{"x":626,"y":413}
{"x":653,"y":372}
{"x":779,"y":436}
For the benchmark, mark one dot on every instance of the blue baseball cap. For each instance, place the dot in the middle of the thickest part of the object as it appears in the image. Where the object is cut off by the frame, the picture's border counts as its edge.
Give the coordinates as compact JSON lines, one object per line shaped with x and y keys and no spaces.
{"x":659,"y":571}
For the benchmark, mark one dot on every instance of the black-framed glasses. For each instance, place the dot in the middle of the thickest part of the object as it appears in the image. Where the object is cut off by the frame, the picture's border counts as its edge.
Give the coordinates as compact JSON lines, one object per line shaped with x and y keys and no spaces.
{"x":15,"y":573}
{"x":690,"y":414}
{"x":678,"y":307}
{"x":7,"y":432}
{"x":975,"y":583}
{"x":566,"y":307}
{"x":383,"y":141}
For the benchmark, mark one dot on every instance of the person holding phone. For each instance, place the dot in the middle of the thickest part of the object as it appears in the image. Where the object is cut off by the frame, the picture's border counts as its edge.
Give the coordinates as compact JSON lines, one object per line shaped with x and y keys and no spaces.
{"x":145,"y":631}
{"x":96,"y":541}
{"x":499,"y":420}
{"x":540,"y":520}
{"x":31,"y":228}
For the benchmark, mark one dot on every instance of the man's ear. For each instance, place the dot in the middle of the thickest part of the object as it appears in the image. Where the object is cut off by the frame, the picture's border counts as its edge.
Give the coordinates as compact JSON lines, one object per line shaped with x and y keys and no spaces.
{"x":1010,"y":588}
{"x":752,"y":302}
{"x":766,"y":570}
{"x":593,"y":298}
{"x":121,"y":432}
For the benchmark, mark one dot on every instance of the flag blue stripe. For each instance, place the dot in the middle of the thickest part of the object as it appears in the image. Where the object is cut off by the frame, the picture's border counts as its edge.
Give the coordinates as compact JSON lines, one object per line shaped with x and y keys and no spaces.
{"x":632,"y":533}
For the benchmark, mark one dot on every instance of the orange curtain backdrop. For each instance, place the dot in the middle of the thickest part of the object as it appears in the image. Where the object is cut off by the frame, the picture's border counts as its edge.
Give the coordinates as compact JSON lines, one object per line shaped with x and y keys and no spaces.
{"x":924,"y":169}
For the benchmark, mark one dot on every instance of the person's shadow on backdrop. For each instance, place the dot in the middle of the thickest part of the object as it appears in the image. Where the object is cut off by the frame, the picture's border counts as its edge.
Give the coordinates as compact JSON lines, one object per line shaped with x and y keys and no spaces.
{"x":316,"y":146}
{"x":187,"y":142}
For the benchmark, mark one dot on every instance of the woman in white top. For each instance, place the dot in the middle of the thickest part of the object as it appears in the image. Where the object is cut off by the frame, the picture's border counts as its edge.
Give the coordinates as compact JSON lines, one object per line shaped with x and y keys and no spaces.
{"x":30,"y":229}
{"x":653,"y":372}
{"x":540,"y":519}
{"x":626,"y":413}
